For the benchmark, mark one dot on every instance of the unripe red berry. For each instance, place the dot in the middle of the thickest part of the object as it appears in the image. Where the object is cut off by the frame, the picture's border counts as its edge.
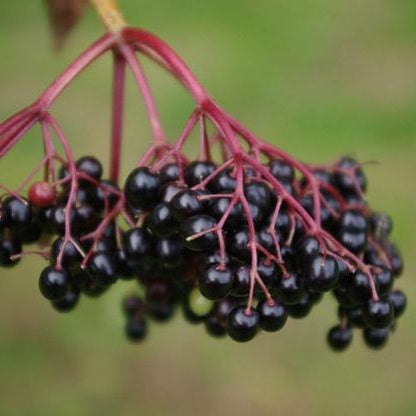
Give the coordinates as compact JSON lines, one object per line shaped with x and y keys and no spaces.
{"x":42,"y":194}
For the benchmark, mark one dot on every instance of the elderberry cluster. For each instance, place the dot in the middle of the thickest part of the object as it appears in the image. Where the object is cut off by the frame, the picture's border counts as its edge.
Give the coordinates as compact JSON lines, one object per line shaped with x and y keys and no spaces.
{"x":190,"y":247}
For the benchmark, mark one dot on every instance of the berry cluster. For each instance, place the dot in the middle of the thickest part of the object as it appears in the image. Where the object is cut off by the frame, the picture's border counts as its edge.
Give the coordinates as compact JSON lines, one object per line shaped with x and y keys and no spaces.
{"x":240,"y":239}
{"x":189,"y":244}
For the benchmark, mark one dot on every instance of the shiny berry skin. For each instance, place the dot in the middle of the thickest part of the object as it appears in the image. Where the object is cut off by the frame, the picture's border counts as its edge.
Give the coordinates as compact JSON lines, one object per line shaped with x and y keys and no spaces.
{"x":323,"y":274}
{"x":378,"y":314}
{"x":197,"y":171}
{"x":58,"y":218}
{"x":169,"y":173}
{"x":90,"y":166}
{"x":87,"y":219}
{"x":219,"y":207}
{"x":212,"y":257}
{"x":71,"y":256}
{"x":281,"y":170}
{"x":102,"y":268}
{"x":339,"y":338}
{"x":223,"y":182}
{"x":137,"y":243}
{"x":185,"y":204}
{"x":169,"y":191}
{"x":272,"y":317}
{"x":9,"y":247}
{"x":398,"y":299}
{"x":41,"y":194}
{"x":384,"y":280}
{"x":258,"y":194}
{"x":68,"y":302}
{"x":169,"y":249}
{"x":354,"y":242}
{"x":359,"y":288}
{"x":195,"y":225}
{"x":105,"y":195}
{"x":142,"y":189}
{"x":241,"y":283}
{"x":302,"y":308}
{"x":268,"y":272}
{"x":290,"y":289}
{"x":238,"y":244}
{"x":308,"y":248}
{"x":349,"y":176}
{"x":354,"y":222}
{"x":54,"y":284}
{"x":106,"y":245}
{"x":215,"y":283}
{"x":161,"y":221}
{"x":242,"y":327}
{"x":376,"y":338}
{"x":136,"y":329}
{"x":18,"y":212}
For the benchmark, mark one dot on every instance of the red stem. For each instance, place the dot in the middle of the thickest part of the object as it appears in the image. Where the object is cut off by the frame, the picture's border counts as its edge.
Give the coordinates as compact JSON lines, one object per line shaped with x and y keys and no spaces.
{"x":119,"y":77}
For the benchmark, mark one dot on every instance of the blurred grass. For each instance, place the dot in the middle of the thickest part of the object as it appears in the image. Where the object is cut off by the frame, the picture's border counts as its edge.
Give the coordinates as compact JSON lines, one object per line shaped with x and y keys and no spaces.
{"x":318,"y":78}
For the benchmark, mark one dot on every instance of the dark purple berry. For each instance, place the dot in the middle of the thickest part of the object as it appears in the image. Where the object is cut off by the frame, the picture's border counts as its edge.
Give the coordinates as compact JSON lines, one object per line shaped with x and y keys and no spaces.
{"x":142,"y":189}
{"x":272,"y":317}
{"x":339,"y":338}
{"x":376,"y":338}
{"x":215,"y":283}
{"x":195,"y":225}
{"x":378,"y":314}
{"x":323,"y":274}
{"x":54,"y":284}
{"x":68,"y":302}
{"x":242,"y":325}
{"x":197,"y":171}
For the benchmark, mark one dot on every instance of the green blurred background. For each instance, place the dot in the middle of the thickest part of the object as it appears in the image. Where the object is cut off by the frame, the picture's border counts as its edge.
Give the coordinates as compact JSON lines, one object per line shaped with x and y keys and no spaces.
{"x":319,"y":78}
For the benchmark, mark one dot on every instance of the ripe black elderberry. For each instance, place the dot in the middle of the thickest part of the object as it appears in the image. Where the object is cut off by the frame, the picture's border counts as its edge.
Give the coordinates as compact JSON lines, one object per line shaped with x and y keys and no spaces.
{"x":398,"y":300}
{"x":323,"y":274}
{"x":215,"y":282}
{"x":9,"y":247}
{"x":339,"y":337}
{"x":18,"y":212}
{"x":185,"y":204}
{"x":137,"y":243}
{"x":195,"y":225}
{"x":242,"y":326}
{"x":197,"y":171}
{"x":102,"y":268}
{"x":290,"y":289}
{"x":241,"y":282}
{"x":91,"y":167}
{"x":161,"y":221}
{"x":169,"y":173}
{"x":68,"y":302}
{"x":376,"y":337}
{"x":142,"y":188}
{"x":281,"y":170}
{"x":272,"y":317}
{"x":54,"y":284}
{"x":378,"y":314}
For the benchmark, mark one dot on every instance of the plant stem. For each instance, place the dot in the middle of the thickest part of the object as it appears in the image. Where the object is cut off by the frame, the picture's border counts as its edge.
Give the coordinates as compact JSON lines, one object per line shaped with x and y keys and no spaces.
{"x":119,"y":76}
